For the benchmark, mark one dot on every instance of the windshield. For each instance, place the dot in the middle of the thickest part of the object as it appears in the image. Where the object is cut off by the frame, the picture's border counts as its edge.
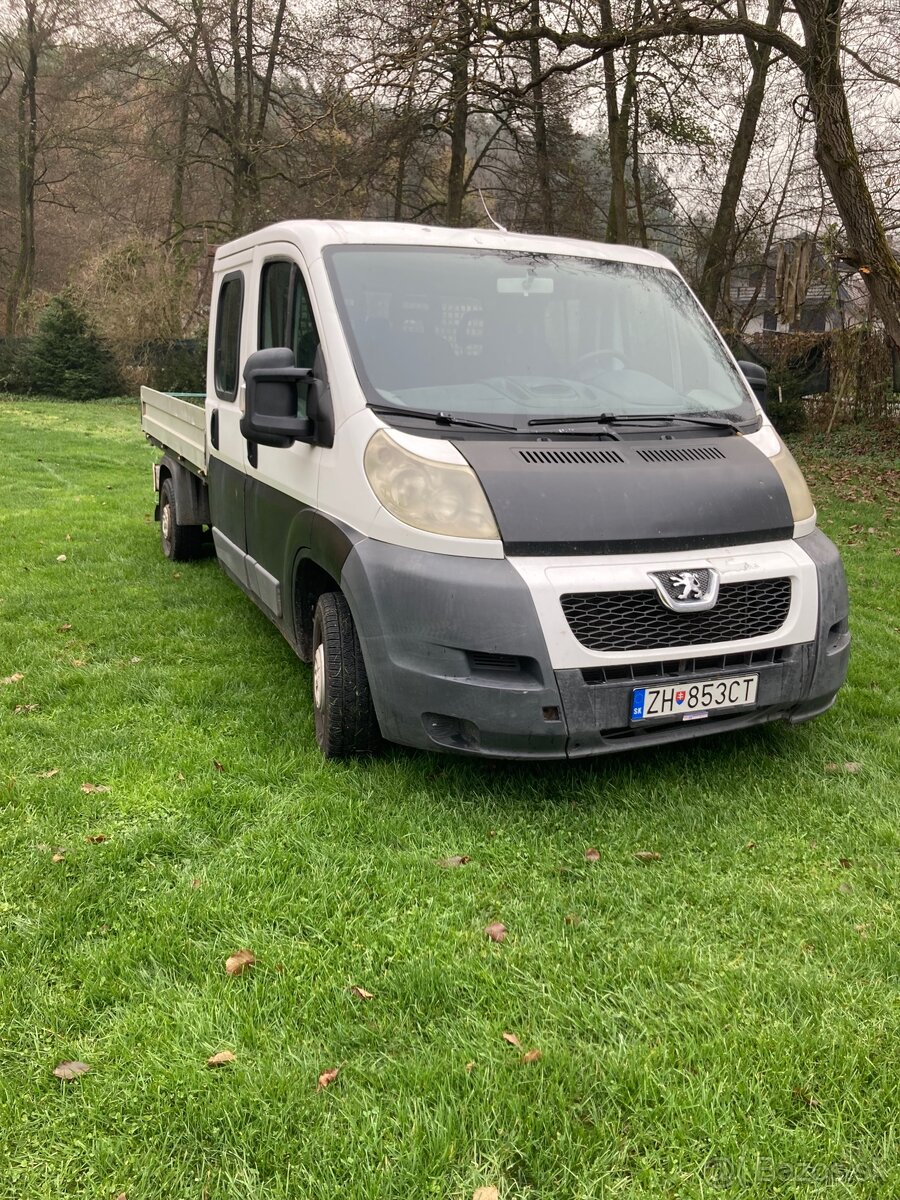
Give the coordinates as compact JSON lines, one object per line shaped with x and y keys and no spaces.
{"x":522,"y":335}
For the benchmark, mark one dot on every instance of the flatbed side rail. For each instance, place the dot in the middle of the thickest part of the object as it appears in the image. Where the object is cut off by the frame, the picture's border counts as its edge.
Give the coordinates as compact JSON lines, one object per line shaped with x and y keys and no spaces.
{"x":175,"y":424}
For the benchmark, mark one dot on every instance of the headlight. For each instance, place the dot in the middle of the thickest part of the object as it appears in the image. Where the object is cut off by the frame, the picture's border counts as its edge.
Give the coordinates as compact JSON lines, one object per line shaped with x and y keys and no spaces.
{"x":791,"y":476}
{"x":440,"y":497}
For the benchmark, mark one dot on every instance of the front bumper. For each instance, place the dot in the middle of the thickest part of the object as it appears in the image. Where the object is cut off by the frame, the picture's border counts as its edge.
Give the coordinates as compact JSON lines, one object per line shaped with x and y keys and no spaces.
{"x":457,"y":660}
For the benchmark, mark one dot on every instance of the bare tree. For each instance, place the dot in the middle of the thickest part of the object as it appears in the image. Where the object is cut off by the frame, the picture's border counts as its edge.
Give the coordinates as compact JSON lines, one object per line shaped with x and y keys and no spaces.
{"x":816,"y":51}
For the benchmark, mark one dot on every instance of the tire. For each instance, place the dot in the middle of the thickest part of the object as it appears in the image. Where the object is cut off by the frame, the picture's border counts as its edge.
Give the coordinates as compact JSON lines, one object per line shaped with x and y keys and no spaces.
{"x":180,"y":543}
{"x":346,"y":725}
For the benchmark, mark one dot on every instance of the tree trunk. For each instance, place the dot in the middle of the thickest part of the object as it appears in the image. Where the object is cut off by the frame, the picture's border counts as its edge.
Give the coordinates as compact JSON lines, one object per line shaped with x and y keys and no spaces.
{"x":718,"y":261}
{"x":636,"y":178}
{"x":618,"y":117}
{"x":838,"y":160}
{"x":459,"y":107}
{"x":22,"y":280}
{"x":541,"y":148}
{"x":176,"y":210}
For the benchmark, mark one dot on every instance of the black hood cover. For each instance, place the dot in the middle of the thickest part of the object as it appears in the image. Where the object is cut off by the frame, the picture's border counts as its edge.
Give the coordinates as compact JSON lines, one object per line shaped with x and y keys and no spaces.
{"x":573,"y":497}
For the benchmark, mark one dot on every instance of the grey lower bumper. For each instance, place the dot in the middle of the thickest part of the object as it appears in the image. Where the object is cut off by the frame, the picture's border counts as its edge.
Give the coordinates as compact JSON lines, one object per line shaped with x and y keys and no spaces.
{"x":457,"y":661}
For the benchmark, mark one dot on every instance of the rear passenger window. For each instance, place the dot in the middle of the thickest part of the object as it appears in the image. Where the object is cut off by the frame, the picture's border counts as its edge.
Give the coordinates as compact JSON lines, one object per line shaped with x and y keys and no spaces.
{"x":228,"y":336}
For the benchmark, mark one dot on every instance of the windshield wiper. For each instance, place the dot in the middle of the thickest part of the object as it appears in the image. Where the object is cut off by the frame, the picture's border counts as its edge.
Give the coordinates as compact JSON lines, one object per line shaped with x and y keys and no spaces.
{"x":439,"y":418}
{"x":636,"y":419}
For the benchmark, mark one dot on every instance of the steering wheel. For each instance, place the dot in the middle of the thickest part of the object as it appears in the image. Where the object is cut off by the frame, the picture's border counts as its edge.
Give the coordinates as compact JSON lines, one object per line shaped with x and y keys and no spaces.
{"x":598,"y":357}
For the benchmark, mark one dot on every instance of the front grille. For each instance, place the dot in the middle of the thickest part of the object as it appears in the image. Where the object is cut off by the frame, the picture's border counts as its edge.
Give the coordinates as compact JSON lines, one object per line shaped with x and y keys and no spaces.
{"x":685,"y":668}
{"x":639,"y":620}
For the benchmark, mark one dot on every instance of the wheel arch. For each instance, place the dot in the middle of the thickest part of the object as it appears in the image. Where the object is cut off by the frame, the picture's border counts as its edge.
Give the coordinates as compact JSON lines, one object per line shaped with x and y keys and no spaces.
{"x":316,"y":568}
{"x":191,"y":492}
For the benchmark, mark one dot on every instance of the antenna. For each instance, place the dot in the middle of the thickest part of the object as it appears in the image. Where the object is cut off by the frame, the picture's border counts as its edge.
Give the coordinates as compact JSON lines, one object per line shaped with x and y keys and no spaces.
{"x":496,"y":224}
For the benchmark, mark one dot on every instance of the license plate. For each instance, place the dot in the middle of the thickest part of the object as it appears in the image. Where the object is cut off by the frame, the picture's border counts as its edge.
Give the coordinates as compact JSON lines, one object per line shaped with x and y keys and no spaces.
{"x":692,"y":701}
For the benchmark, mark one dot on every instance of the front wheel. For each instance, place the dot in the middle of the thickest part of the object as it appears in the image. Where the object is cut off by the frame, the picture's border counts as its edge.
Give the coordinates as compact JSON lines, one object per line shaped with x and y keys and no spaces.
{"x":346,"y":724}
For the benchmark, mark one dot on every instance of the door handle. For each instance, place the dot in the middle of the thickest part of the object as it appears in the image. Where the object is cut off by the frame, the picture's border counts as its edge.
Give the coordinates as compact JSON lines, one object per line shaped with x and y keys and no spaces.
{"x":214,"y":429}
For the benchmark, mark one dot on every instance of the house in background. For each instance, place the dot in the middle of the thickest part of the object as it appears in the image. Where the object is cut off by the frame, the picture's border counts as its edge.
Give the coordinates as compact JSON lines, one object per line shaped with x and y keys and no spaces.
{"x":797,"y":291}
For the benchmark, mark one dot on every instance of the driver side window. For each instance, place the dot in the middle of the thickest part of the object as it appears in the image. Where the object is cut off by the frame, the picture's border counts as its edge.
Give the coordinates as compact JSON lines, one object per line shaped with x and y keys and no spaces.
{"x":285,"y":313}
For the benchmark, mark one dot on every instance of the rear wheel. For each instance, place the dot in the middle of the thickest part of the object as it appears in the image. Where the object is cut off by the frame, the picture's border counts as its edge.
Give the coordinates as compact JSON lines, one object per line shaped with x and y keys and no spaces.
{"x":346,"y":724}
{"x":180,"y":543}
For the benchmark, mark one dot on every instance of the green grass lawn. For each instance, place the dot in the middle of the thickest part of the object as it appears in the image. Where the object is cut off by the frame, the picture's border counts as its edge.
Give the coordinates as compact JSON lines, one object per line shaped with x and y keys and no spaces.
{"x":723,"y":1021}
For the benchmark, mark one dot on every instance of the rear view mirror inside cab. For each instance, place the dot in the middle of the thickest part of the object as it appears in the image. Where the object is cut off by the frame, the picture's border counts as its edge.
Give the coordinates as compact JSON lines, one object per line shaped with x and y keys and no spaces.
{"x":524,"y":285}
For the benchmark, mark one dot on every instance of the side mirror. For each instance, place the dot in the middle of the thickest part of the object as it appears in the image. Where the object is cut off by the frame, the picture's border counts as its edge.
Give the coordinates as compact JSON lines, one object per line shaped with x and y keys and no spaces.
{"x":758,"y":379}
{"x":274,"y":388}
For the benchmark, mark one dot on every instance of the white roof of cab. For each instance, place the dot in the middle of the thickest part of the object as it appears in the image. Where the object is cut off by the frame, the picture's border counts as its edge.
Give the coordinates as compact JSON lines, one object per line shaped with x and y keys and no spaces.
{"x":311,"y":237}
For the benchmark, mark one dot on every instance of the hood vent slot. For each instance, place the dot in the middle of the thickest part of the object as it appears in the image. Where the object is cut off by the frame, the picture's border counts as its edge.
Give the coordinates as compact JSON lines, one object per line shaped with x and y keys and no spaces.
{"x":673,"y":454}
{"x":571,"y":457}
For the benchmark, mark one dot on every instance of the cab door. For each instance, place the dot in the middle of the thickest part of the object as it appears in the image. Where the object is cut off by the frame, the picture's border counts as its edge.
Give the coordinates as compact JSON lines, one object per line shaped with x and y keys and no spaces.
{"x":282,"y":482}
{"x":224,"y":407}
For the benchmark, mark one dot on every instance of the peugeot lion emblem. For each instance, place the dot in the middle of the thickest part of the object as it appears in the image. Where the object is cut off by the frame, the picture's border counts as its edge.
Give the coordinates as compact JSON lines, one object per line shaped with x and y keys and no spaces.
{"x":687,"y":591}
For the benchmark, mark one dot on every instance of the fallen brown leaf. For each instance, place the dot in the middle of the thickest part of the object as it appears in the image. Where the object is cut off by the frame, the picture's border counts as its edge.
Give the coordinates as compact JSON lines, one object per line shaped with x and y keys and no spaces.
{"x":63,"y":628}
{"x":573,"y":919}
{"x":531,"y":1056}
{"x":496,"y":931}
{"x":16,"y":677}
{"x":807,"y":1098}
{"x":457,"y":860}
{"x":237,"y":963}
{"x":195,"y":883}
{"x":592,"y":855}
{"x":326,"y":1078}
{"x":845,"y":862}
{"x":24,"y":708}
{"x":218,"y":765}
{"x":750,"y":846}
{"x":94,"y":839}
{"x":48,"y":774}
{"x":70,"y":1070}
{"x":90,"y":788}
{"x":470,"y":1066}
{"x":361,"y":994}
{"x":647,"y":856}
{"x":78,"y":662}
{"x":511,"y":1039}
{"x":59,"y":856}
{"x":862,"y":930}
{"x":486,"y":1193}
{"x":220,"y":1059}
{"x":847,"y":768}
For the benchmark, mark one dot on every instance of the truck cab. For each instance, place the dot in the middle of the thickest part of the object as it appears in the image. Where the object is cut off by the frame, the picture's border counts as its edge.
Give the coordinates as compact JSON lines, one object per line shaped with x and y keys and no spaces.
{"x":509,"y":495}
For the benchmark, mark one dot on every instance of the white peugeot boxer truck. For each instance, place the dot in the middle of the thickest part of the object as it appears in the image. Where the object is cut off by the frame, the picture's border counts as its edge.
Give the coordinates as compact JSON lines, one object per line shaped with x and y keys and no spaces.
{"x":510,"y":495}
